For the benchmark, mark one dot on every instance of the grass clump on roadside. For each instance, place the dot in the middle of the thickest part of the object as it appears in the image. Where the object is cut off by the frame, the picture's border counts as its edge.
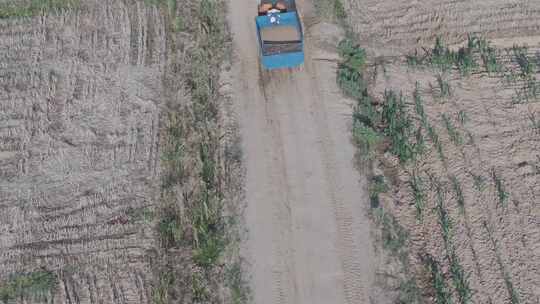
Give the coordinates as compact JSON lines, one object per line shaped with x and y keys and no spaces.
{"x":31,"y":287}
{"x":31,"y":8}
{"x":194,"y":194}
{"x":365,"y":136}
{"x":350,"y":78}
{"x":238,"y":285}
{"x":398,"y":126}
{"x":369,"y":127}
{"x":394,"y":236}
{"x":377,"y":185}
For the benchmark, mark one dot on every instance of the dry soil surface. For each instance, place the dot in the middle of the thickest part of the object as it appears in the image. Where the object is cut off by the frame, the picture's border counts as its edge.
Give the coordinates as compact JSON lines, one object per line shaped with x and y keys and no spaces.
{"x":490,"y":180}
{"x":392,"y":27}
{"x":79,"y":107}
{"x":308,"y":232}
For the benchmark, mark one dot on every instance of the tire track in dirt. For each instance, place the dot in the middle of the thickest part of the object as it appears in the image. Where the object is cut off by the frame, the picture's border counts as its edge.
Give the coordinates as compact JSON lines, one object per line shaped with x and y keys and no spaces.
{"x":302,"y":189}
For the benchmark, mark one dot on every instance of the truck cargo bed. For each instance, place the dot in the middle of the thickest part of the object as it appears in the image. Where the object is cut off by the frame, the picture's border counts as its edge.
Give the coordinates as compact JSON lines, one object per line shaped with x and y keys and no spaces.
{"x":280,"y":33}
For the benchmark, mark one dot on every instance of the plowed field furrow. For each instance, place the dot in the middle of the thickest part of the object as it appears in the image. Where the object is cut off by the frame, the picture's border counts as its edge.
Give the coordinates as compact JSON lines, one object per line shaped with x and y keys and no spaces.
{"x":400,"y":25}
{"x":78,"y":137}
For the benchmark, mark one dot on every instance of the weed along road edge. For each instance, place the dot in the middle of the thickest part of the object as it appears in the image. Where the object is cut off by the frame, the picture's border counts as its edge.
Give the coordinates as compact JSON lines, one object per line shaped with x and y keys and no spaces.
{"x":308,"y":239}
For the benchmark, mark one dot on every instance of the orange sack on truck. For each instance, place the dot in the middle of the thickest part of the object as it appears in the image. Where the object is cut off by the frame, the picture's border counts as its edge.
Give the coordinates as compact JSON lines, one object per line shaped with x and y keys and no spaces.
{"x":280,"y":5}
{"x":264,"y":8}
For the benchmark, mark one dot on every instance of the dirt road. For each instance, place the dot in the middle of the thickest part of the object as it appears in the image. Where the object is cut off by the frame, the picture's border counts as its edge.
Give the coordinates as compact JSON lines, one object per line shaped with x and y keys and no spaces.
{"x":308,"y":233}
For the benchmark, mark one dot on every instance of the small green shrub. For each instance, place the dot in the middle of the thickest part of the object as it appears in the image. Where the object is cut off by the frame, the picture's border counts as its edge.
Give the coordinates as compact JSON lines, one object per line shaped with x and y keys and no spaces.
{"x":353,"y":56}
{"x":350,"y":75}
{"x":364,"y":112}
{"x":366,"y":139}
{"x":339,"y":11}
{"x":398,"y":126}
{"x":377,"y":185}
{"x":394,"y":236}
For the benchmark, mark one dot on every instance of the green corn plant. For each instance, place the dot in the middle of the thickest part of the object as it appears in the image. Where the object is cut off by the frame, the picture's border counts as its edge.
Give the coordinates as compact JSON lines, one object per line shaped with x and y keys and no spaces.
{"x":512,"y":293}
{"x":479,"y":182}
{"x":501,"y":192}
{"x":489,"y":56}
{"x":454,"y":134}
{"x":398,"y":126}
{"x":442,"y":292}
{"x":462,"y":117}
{"x":459,"y":193}
{"x":441,"y":56}
{"x":443,"y":86}
{"x":417,"y":187}
{"x":460,"y":279}
{"x":526,"y":64}
{"x":535,"y":122}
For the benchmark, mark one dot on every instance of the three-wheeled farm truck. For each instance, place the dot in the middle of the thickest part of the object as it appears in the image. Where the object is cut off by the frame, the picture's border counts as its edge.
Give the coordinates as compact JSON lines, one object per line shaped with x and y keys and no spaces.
{"x":280,"y":35}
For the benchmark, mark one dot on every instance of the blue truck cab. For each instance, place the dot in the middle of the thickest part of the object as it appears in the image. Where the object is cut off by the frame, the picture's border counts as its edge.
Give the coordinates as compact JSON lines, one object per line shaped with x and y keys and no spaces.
{"x":280,"y":35}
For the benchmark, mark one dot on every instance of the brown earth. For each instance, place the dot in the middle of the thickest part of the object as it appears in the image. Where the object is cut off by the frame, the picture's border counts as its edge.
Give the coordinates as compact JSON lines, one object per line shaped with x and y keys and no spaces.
{"x":394,"y":27}
{"x":496,"y":243}
{"x":80,"y":97}
{"x":82,"y":104}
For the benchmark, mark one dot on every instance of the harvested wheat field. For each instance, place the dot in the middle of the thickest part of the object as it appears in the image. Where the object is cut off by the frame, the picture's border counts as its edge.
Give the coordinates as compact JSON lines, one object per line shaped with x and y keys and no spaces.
{"x":100,"y":155}
{"x":448,"y":127}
